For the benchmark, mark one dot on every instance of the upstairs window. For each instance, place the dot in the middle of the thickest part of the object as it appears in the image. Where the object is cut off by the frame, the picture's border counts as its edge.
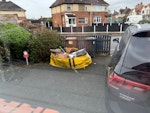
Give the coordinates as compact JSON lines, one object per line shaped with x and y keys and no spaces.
{"x":98,"y":8}
{"x":82,"y":8}
{"x":69,"y":7}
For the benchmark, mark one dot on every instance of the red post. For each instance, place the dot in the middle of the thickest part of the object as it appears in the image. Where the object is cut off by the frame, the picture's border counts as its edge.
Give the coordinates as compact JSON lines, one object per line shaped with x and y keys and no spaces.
{"x":26,"y":56}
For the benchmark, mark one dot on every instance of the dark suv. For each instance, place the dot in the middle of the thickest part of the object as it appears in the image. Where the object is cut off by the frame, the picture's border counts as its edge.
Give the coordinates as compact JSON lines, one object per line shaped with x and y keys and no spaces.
{"x":128,"y":73}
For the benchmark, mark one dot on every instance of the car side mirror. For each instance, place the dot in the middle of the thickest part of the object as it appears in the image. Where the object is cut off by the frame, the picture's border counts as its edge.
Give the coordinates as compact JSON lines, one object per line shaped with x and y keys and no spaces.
{"x":116,"y":40}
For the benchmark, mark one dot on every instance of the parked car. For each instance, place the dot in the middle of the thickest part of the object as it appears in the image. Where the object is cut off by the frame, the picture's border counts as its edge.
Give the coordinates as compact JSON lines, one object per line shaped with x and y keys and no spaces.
{"x":70,"y":58}
{"x":128,"y":73}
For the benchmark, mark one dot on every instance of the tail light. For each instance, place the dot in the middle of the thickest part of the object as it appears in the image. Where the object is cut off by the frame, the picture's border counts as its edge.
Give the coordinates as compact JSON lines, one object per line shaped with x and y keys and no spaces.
{"x":115,"y":81}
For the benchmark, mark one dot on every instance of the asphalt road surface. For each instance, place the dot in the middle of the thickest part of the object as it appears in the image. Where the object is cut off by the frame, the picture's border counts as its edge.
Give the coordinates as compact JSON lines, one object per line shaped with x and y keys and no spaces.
{"x":42,"y":88}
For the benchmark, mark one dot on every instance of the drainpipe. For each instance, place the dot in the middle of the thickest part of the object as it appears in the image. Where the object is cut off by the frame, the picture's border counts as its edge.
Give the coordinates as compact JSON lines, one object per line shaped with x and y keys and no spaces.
{"x":91,"y":15}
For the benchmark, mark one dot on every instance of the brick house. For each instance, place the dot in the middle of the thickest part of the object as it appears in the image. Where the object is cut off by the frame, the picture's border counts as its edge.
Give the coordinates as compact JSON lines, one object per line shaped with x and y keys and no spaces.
{"x":137,"y":9}
{"x":75,"y":13}
{"x":146,"y":12}
{"x":120,"y":16}
{"x":11,"y":9}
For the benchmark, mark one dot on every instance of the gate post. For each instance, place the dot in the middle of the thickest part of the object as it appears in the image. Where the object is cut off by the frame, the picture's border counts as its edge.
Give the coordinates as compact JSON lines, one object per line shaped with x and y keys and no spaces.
{"x":94,"y":28}
{"x":61,"y":29}
{"x":107,"y":29}
{"x":120,"y":28}
{"x":71,"y":29}
{"x":82,"y":29}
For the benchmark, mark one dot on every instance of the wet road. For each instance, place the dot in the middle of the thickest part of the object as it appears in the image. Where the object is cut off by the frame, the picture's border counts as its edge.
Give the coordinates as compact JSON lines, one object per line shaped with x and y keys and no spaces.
{"x":44,"y":89}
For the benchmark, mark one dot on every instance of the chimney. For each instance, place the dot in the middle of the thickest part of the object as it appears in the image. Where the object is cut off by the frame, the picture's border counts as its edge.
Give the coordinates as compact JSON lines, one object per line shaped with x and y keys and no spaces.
{"x":3,"y":0}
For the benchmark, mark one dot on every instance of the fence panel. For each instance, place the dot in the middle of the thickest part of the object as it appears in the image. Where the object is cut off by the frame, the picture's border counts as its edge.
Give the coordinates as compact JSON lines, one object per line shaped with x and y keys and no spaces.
{"x":101,"y":27}
{"x":77,"y":29}
{"x":57,"y":29}
{"x":89,"y":29}
{"x":66,"y":29}
{"x":114,"y":27}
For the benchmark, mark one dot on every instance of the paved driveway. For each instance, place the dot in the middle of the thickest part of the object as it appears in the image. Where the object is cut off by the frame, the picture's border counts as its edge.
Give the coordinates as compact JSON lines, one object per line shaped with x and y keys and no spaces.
{"x":44,"y":89}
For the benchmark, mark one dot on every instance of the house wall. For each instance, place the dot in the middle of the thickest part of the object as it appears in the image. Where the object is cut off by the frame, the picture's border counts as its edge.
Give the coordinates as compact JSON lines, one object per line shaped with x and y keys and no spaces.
{"x":75,"y":7}
{"x":57,"y":21}
{"x":20,"y":14}
{"x":146,"y":12}
{"x":55,"y":10}
{"x":133,"y":12}
{"x":63,"y":8}
{"x":58,"y":18}
{"x":82,"y":15}
{"x":103,"y":16}
{"x":58,"y":14}
{"x":9,"y":18}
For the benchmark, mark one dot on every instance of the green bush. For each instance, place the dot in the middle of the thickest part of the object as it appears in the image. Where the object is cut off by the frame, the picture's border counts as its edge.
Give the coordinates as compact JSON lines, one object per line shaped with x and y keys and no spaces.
{"x":41,"y":43}
{"x":4,"y":55}
{"x":14,"y":37}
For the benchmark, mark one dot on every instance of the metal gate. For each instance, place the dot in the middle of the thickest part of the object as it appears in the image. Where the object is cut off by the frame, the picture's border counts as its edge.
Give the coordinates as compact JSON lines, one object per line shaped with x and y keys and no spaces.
{"x":103,"y":43}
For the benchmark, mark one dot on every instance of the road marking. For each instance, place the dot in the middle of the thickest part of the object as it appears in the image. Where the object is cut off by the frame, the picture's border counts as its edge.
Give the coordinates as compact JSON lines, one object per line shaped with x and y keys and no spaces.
{"x":15,"y":107}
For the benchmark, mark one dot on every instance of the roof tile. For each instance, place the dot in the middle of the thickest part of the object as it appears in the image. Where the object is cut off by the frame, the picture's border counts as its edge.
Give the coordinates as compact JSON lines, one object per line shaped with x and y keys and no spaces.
{"x":95,"y":2}
{"x":9,"y":6}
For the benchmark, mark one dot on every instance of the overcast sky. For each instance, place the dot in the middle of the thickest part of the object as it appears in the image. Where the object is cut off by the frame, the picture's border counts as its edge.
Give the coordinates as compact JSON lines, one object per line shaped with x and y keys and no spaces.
{"x":37,"y":8}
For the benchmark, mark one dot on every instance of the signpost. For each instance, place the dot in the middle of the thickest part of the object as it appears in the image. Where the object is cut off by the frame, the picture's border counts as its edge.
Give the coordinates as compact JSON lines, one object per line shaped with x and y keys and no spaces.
{"x":26,"y":56}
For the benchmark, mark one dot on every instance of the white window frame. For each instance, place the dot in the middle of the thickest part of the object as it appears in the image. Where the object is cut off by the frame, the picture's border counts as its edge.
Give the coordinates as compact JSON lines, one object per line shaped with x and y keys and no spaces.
{"x":97,"y":8}
{"x":85,"y":8}
{"x":72,"y":21}
{"x":97,"y":19}
{"x":83,"y":20}
{"x":69,"y":7}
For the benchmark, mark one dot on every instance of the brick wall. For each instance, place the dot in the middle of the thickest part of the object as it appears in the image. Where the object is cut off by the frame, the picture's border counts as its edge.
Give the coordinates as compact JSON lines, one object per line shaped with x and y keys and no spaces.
{"x":57,"y":21}
{"x":57,"y":18}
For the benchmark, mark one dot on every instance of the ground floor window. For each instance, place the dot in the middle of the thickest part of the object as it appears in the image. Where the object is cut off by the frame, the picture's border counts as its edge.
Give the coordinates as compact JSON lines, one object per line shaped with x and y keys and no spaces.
{"x":72,"y":21}
{"x":97,"y":19}
{"x":83,"y":20}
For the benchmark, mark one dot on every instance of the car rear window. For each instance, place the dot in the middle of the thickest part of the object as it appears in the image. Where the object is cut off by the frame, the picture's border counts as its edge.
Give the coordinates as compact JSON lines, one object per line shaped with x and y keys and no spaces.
{"x":137,"y":58}
{"x":137,"y":76}
{"x":138,"y":53}
{"x":143,"y":34}
{"x":143,"y":67}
